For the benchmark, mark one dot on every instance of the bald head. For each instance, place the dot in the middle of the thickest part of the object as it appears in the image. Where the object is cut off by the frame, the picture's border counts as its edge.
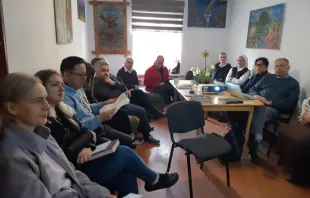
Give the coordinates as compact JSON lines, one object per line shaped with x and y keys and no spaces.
{"x":129,"y":63}
{"x":159,"y":62}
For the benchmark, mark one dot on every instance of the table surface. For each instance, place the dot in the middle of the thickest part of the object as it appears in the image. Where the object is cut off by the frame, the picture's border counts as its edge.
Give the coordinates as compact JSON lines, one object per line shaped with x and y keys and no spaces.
{"x":215,"y":97}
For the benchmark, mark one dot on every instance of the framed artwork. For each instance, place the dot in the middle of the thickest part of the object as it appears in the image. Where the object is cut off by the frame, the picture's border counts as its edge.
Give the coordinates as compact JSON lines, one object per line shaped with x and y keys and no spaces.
{"x":81,"y":9}
{"x":207,"y":13}
{"x":63,"y":21}
{"x":110,"y":25}
{"x":265,"y":27}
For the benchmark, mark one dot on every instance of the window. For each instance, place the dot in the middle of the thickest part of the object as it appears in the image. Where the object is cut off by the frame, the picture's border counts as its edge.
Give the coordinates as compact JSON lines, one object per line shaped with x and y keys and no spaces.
{"x":147,"y":45}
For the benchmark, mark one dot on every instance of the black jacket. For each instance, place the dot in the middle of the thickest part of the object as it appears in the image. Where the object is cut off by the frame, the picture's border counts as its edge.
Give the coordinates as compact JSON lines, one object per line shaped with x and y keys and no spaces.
{"x":129,"y":79}
{"x":253,"y":80}
{"x":70,"y":134}
{"x":104,"y":91}
{"x":219,"y":73}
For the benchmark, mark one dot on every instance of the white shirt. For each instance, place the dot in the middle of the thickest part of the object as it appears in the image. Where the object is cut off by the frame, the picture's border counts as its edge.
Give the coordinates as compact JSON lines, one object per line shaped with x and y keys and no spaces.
{"x":220,"y":65}
{"x":239,"y":81}
{"x":126,"y":70}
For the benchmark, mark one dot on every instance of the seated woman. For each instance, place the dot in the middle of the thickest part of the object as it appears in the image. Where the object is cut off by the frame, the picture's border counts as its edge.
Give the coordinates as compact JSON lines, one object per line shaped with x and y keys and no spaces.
{"x":117,"y":171}
{"x":31,"y":162}
{"x":299,"y":154}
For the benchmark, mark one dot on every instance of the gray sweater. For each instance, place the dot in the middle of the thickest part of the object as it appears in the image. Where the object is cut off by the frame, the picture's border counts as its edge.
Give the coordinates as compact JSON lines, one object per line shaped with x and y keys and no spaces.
{"x":23,"y":170}
{"x":283,"y":92}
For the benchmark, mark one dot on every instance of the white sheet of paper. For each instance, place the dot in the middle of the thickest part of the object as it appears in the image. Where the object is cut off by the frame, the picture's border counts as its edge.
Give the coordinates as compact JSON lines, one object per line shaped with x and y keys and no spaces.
{"x":120,"y":101}
{"x":131,"y":195}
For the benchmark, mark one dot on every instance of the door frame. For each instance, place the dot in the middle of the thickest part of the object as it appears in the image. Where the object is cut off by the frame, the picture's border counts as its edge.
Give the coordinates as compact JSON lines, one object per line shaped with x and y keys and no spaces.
{"x":3,"y":50}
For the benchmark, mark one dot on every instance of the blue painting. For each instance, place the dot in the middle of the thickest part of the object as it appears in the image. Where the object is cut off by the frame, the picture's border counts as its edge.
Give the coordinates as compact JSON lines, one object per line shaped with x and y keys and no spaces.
{"x":265,"y":27}
{"x":207,"y":13}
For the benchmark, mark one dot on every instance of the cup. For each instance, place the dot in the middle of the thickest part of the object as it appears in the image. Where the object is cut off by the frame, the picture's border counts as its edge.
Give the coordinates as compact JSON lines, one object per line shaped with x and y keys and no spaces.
{"x":176,"y":81}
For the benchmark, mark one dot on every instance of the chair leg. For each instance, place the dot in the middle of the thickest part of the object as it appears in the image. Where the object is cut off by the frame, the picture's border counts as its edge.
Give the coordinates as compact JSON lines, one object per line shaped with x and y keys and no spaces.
{"x":189,"y":175}
{"x":201,"y":165}
{"x":227,"y":174}
{"x":170,"y":157}
{"x":273,"y":138}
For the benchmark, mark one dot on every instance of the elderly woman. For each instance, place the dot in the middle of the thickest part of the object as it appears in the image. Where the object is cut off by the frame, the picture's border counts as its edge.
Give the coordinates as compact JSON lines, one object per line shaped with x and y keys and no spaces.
{"x":239,"y":75}
{"x":31,"y":162}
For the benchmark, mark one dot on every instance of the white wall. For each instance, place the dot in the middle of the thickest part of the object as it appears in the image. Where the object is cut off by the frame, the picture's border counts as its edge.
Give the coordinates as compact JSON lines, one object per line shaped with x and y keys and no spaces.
{"x":31,"y":36}
{"x":295,"y":43}
{"x":116,"y":60}
{"x":195,"y":40}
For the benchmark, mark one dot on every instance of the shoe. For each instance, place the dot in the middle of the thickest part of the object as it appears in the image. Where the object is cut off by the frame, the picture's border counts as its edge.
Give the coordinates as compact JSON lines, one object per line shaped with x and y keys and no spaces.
{"x":259,"y":146}
{"x":165,"y":181}
{"x":151,"y":140}
{"x":137,"y":140}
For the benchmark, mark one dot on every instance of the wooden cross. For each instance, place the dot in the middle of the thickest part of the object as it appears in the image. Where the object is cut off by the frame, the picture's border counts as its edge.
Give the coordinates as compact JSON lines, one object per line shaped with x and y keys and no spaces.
{"x":97,"y":51}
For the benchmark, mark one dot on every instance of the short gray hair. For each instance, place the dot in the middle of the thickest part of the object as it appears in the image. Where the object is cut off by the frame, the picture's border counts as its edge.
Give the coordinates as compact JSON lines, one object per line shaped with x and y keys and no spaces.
{"x":100,"y":63}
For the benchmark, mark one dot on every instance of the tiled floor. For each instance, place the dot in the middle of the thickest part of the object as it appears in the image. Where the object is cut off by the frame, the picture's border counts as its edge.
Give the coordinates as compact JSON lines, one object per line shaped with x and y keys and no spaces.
{"x":247,"y":180}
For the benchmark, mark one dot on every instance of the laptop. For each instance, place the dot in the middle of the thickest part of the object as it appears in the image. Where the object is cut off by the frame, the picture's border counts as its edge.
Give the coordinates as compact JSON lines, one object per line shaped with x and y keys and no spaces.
{"x":235,"y":90}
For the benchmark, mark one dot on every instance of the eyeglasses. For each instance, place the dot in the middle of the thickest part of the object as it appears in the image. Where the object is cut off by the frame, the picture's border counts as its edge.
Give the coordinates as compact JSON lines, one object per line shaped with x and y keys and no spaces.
{"x":81,"y":75}
{"x":260,"y":65}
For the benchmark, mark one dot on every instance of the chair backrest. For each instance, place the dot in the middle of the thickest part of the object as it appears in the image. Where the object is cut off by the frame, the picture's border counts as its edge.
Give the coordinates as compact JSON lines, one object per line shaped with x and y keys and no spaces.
{"x":185,"y":116}
{"x":189,"y":75}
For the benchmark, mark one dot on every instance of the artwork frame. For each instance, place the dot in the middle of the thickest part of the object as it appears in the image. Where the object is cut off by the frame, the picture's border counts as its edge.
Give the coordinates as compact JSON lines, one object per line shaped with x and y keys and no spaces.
{"x":110,"y":27}
{"x":207,"y":13}
{"x":265,"y":27}
{"x":63,"y":21}
{"x":81,"y":10}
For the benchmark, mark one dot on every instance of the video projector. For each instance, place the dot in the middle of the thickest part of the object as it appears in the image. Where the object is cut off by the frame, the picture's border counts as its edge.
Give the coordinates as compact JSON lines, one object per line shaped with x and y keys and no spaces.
{"x":211,"y":88}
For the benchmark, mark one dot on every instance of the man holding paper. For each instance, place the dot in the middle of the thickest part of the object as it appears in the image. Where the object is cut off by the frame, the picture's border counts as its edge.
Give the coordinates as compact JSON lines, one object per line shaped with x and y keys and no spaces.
{"x":73,"y":70}
{"x":106,"y":87}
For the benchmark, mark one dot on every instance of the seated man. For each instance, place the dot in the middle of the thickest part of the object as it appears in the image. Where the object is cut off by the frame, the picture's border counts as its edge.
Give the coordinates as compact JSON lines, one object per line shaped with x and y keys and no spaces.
{"x":108,"y":87}
{"x":73,"y":70}
{"x":240,"y":74}
{"x":130,"y":81}
{"x":221,"y":69}
{"x":279,"y":92}
{"x":154,"y":80}
{"x":261,"y":66}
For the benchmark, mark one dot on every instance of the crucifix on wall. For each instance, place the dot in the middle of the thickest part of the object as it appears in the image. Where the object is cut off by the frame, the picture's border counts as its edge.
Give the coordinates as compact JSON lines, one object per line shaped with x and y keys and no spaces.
{"x":110,"y":24}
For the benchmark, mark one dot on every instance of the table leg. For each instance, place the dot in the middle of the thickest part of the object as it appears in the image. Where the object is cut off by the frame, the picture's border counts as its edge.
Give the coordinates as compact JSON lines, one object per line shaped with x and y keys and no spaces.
{"x":247,"y":130}
{"x":175,"y":95}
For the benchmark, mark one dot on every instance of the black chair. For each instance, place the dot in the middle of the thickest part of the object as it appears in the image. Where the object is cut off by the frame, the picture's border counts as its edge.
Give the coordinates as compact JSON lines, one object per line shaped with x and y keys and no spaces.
{"x":186,"y":116}
{"x":284,"y":117}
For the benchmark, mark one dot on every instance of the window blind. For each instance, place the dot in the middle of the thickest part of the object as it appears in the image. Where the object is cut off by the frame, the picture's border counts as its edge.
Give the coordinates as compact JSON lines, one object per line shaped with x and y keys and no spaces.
{"x":157,"y":15}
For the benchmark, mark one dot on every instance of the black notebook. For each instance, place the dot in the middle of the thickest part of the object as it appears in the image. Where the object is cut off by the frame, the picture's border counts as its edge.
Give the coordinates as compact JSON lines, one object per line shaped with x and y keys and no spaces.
{"x":231,"y":101}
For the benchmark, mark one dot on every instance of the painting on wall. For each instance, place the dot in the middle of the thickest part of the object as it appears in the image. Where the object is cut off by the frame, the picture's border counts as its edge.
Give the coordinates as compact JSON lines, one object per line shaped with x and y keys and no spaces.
{"x":265,"y":27}
{"x":207,"y":13}
{"x":110,"y":28}
{"x":63,"y":21}
{"x":81,"y":9}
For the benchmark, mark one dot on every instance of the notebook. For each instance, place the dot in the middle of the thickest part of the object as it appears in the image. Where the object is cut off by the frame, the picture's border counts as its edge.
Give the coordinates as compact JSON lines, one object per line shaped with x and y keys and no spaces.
{"x":231,"y":101}
{"x":201,"y":98}
{"x":120,"y":101}
{"x":105,"y":149}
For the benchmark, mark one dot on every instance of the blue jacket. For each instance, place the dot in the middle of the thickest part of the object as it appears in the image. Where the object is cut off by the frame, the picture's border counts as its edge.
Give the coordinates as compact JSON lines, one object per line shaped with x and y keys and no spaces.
{"x":253,"y":80}
{"x":282,"y":92}
{"x":88,"y":117}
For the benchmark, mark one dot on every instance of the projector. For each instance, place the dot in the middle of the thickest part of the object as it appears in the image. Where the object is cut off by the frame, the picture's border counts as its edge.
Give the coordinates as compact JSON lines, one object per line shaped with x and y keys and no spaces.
{"x":210,"y":88}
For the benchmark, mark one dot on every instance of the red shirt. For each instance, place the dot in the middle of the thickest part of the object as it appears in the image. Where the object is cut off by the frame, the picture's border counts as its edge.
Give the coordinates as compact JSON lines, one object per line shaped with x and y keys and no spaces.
{"x":152,"y":77}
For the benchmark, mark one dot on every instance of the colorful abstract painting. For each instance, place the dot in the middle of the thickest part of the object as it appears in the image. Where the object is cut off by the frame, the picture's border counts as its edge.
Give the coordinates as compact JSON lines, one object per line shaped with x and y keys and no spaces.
{"x":265,"y":27}
{"x":207,"y":13}
{"x":110,"y":26}
{"x":63,"y":21}
{"x":81,"y":9}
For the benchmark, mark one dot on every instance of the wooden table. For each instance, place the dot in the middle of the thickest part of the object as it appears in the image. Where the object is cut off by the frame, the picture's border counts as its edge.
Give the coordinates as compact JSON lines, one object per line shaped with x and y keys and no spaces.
{"x":217,"y":105}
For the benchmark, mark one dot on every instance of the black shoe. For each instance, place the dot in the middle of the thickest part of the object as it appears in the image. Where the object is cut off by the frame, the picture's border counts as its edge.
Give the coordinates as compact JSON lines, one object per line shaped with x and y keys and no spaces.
{"x":150,"y":139}
{"x":253,"y":156}
{"x":137,"y":140}
{"x":165,"y":181}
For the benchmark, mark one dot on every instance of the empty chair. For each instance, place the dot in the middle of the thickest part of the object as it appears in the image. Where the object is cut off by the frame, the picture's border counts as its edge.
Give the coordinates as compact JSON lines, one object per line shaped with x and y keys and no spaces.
{"x":187,"y":116}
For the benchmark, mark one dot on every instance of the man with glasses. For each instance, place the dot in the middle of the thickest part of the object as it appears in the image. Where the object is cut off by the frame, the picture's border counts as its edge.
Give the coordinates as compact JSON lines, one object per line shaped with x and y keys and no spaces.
{"x":73,"y":70}
{"x":240,"y":74}
{"x":261,"y":67}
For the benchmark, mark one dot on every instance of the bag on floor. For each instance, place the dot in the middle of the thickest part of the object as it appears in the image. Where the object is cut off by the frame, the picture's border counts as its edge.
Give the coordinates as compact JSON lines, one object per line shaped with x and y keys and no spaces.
{"x":236,"y":140}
